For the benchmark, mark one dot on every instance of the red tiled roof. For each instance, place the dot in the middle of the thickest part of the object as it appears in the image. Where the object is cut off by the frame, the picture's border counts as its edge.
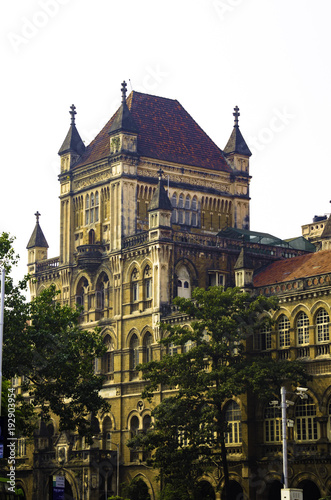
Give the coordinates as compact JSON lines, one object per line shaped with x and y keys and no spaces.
{"x":166,"y":132}
{"x":311,"y":264}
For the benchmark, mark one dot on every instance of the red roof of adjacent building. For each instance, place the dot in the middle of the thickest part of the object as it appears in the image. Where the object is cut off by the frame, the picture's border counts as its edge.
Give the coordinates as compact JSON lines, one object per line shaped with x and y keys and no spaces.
{"x":166,"y":132}
{"x":311,"y":264}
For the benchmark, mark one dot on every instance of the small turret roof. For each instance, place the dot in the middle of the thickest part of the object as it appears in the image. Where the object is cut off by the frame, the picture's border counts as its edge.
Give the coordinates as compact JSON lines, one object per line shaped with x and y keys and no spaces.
{"x":123,"y":119}
{"x":243,"y":261}
{"x":72,"y":142}
{"x":37,"y":238}
{"x":236,"y":143}
{"x":160,"y":199}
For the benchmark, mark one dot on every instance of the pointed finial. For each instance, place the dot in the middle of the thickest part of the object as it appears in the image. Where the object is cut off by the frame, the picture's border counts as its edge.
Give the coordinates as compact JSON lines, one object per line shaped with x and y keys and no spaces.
{"x":123,"y":91}
{"x":236,"y":115}
{"x":73,"y":112}
{"x":37,"y":214}
{"x":160,"y":172}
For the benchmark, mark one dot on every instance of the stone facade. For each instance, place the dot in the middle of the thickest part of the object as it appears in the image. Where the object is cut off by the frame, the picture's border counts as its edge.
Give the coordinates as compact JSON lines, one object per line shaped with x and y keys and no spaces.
{"x":149,"y":210}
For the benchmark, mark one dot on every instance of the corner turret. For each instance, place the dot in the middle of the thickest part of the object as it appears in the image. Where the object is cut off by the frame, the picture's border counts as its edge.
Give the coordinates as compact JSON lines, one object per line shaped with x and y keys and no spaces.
{"x":159,"y":212}
{"x":243,"y":270}
{"x":37,"y":246}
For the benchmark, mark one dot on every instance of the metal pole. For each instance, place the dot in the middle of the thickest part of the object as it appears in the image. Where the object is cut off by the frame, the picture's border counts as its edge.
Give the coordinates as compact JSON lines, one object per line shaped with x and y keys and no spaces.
{"x":2,"y":310}
{"x":283,"y":407}
{"x":118,"y":470}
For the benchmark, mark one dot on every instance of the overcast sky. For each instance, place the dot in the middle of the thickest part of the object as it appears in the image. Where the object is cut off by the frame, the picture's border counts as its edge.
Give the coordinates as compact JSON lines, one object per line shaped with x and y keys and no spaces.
{"x":269,"y":57}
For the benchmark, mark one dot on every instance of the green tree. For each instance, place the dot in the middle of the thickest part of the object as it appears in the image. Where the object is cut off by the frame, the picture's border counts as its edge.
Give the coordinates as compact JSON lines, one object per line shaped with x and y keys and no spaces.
{"x":43,"y":343}
{"x":189,"y":432}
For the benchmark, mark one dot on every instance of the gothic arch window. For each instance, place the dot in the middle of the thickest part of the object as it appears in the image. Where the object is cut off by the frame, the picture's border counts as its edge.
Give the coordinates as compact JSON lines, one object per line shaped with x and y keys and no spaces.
{"x":306,"y":426}
{"x":102,"y":292}
{"x":233,"y":419}
{"x":187,"y":202}
{"x":302,"y":328}
{"x":181,"y":201}
{"x":134,"y":425}
{"x":322,"y":326}
{"x":174,"y":200}
{"x":147,"y":421}
{"x":87,"y":209}
{"x":92,"y":209}
{"x":134,"y":285}
{"x":283,"y":328}
{"x":147,"y":344}
{"x":134,"y":352}
{"x":96,"y":210}
{"x":81,"y":292}
{"x":106,"y":433}
{"x":147,"y":283}
{"x":91,"y":237}
{"x":108,"y":357}
{"x":183,"y":283}
{"x":272,"y":425}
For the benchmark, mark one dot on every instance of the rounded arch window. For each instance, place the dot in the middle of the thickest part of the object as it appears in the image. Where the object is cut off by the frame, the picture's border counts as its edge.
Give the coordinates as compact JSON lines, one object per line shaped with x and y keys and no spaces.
{"x":134,"y":425}
{"x":302,"y":328}
{"x":306,"y":426}
{"x":147,"y":420}
{"x":283,"y":326}
{"x":322,"y":326}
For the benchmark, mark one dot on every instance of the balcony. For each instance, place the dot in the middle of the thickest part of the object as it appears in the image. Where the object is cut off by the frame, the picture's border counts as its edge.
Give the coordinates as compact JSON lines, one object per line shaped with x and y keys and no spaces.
{"x":89,"y":256}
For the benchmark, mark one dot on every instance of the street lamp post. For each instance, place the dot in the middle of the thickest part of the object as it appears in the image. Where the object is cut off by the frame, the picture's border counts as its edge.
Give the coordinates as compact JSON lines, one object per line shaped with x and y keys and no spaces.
{"x":284,"y":437}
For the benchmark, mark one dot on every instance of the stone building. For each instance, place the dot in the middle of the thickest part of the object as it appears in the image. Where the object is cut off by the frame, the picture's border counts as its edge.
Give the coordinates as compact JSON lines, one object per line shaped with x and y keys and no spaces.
{"x":149,"y":210}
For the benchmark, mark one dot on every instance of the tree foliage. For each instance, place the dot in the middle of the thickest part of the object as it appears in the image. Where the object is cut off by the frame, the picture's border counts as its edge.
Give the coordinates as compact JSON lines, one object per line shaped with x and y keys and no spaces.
{"x":188,"y":434}
{"x":44,"y":343}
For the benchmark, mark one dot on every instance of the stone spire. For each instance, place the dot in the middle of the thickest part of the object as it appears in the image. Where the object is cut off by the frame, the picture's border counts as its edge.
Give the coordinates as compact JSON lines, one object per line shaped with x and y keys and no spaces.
{"x":123,"y":120}
{"x":236,"y":144}
{"x":73,"y":142}
{"x":37,"y":238}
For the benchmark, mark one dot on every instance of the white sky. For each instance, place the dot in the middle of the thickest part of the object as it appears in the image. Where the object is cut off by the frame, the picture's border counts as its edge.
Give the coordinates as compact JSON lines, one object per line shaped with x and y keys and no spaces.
{"x":269,"y":57}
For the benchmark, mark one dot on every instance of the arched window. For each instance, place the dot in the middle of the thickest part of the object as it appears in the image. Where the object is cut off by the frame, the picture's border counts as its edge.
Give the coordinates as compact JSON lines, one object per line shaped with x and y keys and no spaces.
{"x":91,"y":237}
{"x":148,"y":339}
{"x":147,"y":423}
{"x":87,"y":209}
{"x":81,"y":291}
{"x":263,"y":338}
{"x":302,"y":329}
{"x":174,"y":200}
{"x":181,"y":201}
{"x":272,"y":425}
{"x":96,"y":210}
{"x":322,"y":326}
{"x":283,"y":331}
{"x":134,"y":352}
{"x":92,"y":209}
{"x":148,"y":283}
{"x":187,"y":202}
{"x":134,"y":286}
{"x":108,"y":357}
{"x":106,"y":433}
{"x":134,"y":425}
{"x":183,"y":283}
{"x":306,"y":425}
{"x":101,"y":293}
{"x":233,"y":419}
{"x":194,"y":205}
